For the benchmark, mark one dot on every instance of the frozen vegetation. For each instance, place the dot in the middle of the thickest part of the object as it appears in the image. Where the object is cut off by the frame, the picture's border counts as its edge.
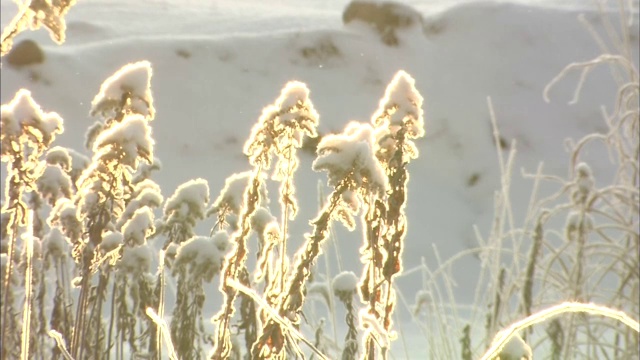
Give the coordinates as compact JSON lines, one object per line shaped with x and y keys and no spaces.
{"x":413,"y":183}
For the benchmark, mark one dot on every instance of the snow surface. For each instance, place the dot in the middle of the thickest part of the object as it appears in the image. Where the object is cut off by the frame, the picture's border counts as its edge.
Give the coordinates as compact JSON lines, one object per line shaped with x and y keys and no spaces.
{"x":217,"y":64}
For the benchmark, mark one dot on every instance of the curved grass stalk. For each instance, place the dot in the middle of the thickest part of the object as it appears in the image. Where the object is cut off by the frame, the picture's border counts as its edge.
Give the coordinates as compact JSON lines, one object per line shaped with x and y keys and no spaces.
{"x":60,"y":344}
{"x":501,"y":339}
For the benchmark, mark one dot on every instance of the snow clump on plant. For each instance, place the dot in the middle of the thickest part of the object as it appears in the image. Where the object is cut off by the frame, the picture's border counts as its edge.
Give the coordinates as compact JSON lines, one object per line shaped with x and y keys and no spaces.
{"x":202,"y":255}
{"x":132,"y":83}
{"x":351,"y":155}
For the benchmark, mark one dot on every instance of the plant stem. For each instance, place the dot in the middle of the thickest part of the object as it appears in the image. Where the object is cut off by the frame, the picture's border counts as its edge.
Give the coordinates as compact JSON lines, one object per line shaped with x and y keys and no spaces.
{"x":28,"y":288}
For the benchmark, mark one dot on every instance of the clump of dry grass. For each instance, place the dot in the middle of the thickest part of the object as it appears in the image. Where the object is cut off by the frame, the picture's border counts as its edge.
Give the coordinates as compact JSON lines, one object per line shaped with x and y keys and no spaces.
{"x":510,"y":332}
{"x":581,"y":240}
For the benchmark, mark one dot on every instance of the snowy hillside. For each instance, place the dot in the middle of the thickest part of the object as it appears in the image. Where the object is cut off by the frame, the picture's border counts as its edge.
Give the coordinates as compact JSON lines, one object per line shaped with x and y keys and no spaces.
{"x":217,"y":64}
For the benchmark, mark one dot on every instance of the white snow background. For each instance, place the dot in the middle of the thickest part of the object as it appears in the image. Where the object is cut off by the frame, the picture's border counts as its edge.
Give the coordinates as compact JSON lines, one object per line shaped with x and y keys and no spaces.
{"x":216,"y":64}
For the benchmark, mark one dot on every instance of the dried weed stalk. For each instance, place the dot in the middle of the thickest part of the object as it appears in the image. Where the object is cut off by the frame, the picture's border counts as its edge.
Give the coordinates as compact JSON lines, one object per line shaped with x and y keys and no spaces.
{"x":398,"y":121}
{"x":104,"y":190}
{"x":279,"y":131}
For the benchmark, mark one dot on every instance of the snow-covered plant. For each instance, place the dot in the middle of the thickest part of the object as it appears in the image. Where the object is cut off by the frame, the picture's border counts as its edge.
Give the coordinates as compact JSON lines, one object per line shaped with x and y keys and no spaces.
{"x":57,"y":248}
{"x":227,"y":207}
{"x":465,"y":343}
{"x":145,"y":195}
{"x":595,"y":257}
{"x":34,"y":15}
{"x":182,"y":211}
{"x":349,"y":160}
{"x":145,"y":170}
{"x":128,"y":91}
{"x":345,"y":287}
{"x":8,"y":299}
{"x":65,"y":230}
{"x":279,"y":131}
{"x":31,"y":269}
{"x":58,"y":155}
{"x":516,"y":349}
{"x":267,"y":228}
{"x":398,"y":121}
{"x":53,"y":184}
{"x":125,"y":107}
{"x":290,"y":118}
{"x":79,"y":163}
{"x":125,"y":139}
{"x":138,"y":227}
{"x":101,"y":215}
{"x":133,"y":292}
{"x":197,"y":261}
{"x":26,"y":132}
{"x":192,"y":259}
